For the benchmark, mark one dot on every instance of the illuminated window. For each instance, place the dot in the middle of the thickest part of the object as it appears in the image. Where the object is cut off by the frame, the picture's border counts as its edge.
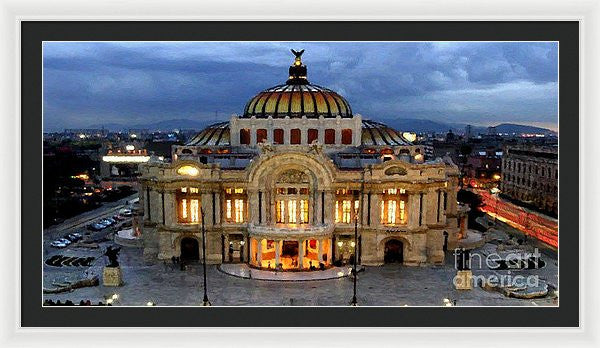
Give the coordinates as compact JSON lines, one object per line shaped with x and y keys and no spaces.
{"x":280,"y":207}
{"x":304,"y":211}
{"x":188,"y":205}
{"x":402,"y":215}
{"x":235,"y":202}
{"x":346,"y":211}
{"x":239,"y":210}
{"x":194,"y":211}
{"x":391,"y":218}
{"x":292,"y":212}
{"x":382,"y":212}
{"x":337,"y":211}
{"x":228,"y":209}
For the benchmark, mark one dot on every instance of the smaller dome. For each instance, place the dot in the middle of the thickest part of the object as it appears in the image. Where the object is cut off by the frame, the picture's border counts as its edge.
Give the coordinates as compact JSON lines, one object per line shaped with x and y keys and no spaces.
{"x":213,"y":135}
{"x":378,"y":134}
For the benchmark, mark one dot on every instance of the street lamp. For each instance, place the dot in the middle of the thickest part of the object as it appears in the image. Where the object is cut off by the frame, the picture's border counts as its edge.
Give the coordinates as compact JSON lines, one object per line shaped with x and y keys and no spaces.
{"x":205,"y":301}
{"x":354,"y":302}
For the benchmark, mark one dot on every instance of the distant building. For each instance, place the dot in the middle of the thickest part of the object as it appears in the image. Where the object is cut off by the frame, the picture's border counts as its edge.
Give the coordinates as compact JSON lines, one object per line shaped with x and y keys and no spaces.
{"x":530,"y":175}
{"x":468,"y":132}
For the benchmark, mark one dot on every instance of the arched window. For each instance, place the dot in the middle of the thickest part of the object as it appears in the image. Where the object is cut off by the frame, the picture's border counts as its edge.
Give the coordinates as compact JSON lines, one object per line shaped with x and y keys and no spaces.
{"x":278,"y":136}
{"x":244,"y":136}
{"x":346,"y":136}
{"x":330,"y":136}
{"x":295,"y":137}
{"x":261,"y":135}
{"x":313,"y":134}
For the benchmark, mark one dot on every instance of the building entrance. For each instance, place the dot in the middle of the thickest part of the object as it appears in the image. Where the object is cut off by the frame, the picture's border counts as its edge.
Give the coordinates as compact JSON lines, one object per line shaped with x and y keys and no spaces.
{"x":393,"y":251}
{"x":190,"y":250}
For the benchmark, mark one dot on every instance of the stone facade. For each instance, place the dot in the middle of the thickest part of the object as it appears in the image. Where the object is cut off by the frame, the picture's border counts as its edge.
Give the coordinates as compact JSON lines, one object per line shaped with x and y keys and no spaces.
{"x":431,"y":206}
{"x":530,"y":174}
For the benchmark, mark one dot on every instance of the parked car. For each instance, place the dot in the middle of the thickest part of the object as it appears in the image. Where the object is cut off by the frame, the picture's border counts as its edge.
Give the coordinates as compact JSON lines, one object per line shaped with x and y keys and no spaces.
{"x":63,"y":241}
{"x":73,"y":237}
{"x":118,"y":217}
{"x":58,"y":244}
{"x":125,"y":212}
{"x":111,"y":220}
{"x":96,"y":226}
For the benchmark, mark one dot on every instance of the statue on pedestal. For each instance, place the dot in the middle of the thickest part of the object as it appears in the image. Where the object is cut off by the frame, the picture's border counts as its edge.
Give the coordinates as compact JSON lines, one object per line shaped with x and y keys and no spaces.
{"x":113,"y":256}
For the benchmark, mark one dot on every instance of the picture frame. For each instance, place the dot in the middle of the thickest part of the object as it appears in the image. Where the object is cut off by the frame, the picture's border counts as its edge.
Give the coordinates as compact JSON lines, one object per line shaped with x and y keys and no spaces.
{"x":515,"y":335}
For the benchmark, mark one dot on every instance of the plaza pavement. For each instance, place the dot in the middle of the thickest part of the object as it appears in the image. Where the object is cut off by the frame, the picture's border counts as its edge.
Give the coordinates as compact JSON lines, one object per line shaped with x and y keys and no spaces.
{"x":390,"y":285}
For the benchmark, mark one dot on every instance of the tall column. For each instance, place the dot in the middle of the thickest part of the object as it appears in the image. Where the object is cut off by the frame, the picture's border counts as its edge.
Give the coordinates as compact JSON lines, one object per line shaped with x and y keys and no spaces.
{"x":320,"y":249}
{"x":259,"y":253}
{"x":277,"y":252}
{"x":413,"y":209}
{"x":253,"y":206}
{"x":301,"y":253}
{"x":330,"y":253}
{"x":375,"y":209}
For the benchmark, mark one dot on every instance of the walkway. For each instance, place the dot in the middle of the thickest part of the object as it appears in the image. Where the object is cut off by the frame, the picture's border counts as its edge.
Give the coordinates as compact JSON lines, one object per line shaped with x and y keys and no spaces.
{"x":242,"y":270}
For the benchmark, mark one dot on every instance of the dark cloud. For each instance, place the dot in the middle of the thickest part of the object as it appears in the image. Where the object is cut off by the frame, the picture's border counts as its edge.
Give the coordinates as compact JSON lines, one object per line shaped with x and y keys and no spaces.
{"x":453,"y":82}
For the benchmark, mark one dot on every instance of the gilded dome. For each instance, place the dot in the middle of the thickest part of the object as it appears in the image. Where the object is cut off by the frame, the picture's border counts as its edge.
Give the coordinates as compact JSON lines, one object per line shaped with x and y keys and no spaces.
{"x":297,"y":98}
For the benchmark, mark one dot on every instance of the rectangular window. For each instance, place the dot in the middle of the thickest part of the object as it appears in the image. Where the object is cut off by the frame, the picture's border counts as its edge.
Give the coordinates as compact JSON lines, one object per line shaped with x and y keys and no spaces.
{"x":239,"y":190}
{"x":330,"y":136}
{"x":295,"y":137}
{"x":391,"y":218}
{"x":313,"y":135}
{"x":278,"y":136}
{"x":292,"y":211}
{"x":402,"y":214}
{"x":194,"y":210}
{"x":239,"y":210}
{"x":194,"y":190}
{"x":304,"y":211}
{"x":228,"y":209}
{"x":245,"y":136}
{"x":280,"y":208}
{"x":261,"y":135}
{"x":346,"y":211}
{"x":346,"y":136}
{"x":184,"y":209}
{"x":382,"y":212}
{"x":337,"y":211}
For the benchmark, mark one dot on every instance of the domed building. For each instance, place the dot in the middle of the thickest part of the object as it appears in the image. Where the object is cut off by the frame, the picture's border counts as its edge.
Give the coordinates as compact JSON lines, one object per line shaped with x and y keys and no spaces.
{"x":285,"y":182}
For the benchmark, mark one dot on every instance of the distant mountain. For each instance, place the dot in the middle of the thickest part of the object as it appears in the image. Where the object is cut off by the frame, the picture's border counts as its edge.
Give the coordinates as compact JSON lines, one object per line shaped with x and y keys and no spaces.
{"x":421,"y":125}
{"x":511,"y":128}
{"x":429,"y":126}
{"x":402,"y":124}
{"x":165,"y":125}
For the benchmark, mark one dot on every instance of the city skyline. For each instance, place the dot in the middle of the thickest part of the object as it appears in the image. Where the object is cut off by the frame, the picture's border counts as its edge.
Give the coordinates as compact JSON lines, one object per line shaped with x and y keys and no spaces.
{"x":481,"y":83}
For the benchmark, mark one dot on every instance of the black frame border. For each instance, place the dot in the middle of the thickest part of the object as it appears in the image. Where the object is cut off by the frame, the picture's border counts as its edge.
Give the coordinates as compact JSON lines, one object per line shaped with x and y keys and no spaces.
{"x":34,"y":32}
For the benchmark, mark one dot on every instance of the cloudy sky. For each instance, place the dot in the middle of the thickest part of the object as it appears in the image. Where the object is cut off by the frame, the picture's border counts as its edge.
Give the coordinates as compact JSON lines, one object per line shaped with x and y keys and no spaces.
{"x":454,"y":82}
